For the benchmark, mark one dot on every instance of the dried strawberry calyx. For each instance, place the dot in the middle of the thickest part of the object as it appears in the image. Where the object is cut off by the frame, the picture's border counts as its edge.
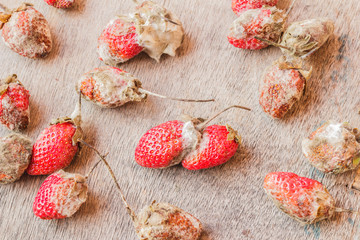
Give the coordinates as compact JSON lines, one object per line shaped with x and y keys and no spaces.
{"x":233,"y":135}
{"x":75,"y":119}
{"x":296,"y":64}
{"x":4,"y":84}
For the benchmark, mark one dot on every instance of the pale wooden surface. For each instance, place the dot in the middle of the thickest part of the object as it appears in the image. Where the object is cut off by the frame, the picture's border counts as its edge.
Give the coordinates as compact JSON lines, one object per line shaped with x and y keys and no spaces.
{"x":229,"y":199}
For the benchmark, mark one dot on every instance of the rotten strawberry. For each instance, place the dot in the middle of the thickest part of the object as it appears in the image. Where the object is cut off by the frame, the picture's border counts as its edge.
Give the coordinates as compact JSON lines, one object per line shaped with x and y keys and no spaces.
{"x":152,"y":29}
{"x":304,"y":199}
{"x":15,"y":153}
{"x":26,"y":31}
{"x":238,"y":6}
{"x":266,"y":23}
{"x":14,"y":104}
{"x":333,"y":147}
{"x":111,"y":87}
{"x":282,"y":86}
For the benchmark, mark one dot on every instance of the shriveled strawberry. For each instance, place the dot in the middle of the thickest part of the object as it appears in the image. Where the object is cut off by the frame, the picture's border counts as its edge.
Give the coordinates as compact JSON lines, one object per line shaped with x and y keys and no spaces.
{"x":282,"y":86}
{"x":166,"y":145}
{"x":306,"y":200}
{"x":151,"y":28}
{"x":15,"y":153}
{"x":60,"y":3}
{"x":217,"y":145}
{"x":60,"y":196}
{"x":163,"y":221}
{"x":333,"y":147}
{"x":14,"y":104}
{"x":304,"y":37}
{"x":266,"y":23}
{"x":57,"y":145}
{"x":238,"y":6}
{"x":119,"y":41}
{"x":26,"y":32}
{"x":111,"y":87}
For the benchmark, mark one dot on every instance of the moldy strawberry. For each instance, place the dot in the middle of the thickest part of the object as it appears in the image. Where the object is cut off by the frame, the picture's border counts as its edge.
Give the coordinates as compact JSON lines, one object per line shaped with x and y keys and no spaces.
{"x":238,"y":6}
{"x":15,"y":153}
{"x":304,"y":199}
{"x":60,"y":3}
{"x":111,"y":87}
{"x":282,"y":86}
{"x":26,"y":31}
{"x":152,"y":29}
{"x":333,"y":147}
{"x":14,"y":104}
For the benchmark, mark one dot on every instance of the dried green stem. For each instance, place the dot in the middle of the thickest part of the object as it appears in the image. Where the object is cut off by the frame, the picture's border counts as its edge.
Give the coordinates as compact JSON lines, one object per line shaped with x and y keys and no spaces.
{"x":130,"y":211}
{"x":203,"y":125}
{"x":175,"y":99}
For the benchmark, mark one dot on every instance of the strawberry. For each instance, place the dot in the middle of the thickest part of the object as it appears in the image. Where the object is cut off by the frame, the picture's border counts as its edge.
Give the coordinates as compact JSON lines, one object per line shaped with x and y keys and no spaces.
{"x":151,"y":28}
{"x":119,"y":41}
{"x":304,"y":37}
{"x":26,"y":31}
{"x":304,"y":199}
{"x":172,"y":142}
{"x":167,"y":144}
{"x":60,"y":195}
{"x":14,"y":104}
{"x":111,"y":87}
{"x":15,"y":152}
{"x":57,"y":145}
{"x":60,"y":3}
{"x":266,"y":23}
{"x":218,"y":144}
{"x":333,"y":148}
{"x":165,"y":221}
{"x":238,"y":6}
{"x":282,"y":86}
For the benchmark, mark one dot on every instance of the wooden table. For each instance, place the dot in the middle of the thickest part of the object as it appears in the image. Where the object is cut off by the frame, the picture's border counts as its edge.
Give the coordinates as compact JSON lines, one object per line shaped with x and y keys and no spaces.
{"x":229,"y":199}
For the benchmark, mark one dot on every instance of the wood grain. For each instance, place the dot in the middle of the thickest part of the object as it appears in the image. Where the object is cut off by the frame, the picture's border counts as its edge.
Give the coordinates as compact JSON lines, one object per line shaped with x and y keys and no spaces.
{"x":229,"y":199}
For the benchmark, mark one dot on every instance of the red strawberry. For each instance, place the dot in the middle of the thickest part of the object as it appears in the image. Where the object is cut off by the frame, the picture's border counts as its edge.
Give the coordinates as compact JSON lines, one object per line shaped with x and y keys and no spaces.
{"x":217,"y":146}
{"x":111,"y":87}
{"x":167,"y":144}
{"x":165,"y":221}
{"x":60,"y":196}
{"x":266,"y":23}
{"x":303,"y":199}
{"x":26,"y":31}
{"x":15,"y":152}
{"x":14,"y":104}
{"x":333,"y":148}
{"x":57,"y":145}
{"x":60,"y":3}
{"x":170,"y":143}
{"x":238,"y":6}
{"x":119,"y":41}
{"x":282,"y":86}
{"x":151,"y":28}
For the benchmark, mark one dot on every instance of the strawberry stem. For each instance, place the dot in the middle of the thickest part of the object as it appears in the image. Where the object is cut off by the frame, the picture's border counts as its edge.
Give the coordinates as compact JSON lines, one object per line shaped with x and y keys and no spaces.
{"x":203,"y":125}
{"x":175,"y":99}
{"x":273,"y":43}
{"x":130,"y":211}
{"x":93,"y":167}
{"x":290,"y":8}
{"x":341,"y":210}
